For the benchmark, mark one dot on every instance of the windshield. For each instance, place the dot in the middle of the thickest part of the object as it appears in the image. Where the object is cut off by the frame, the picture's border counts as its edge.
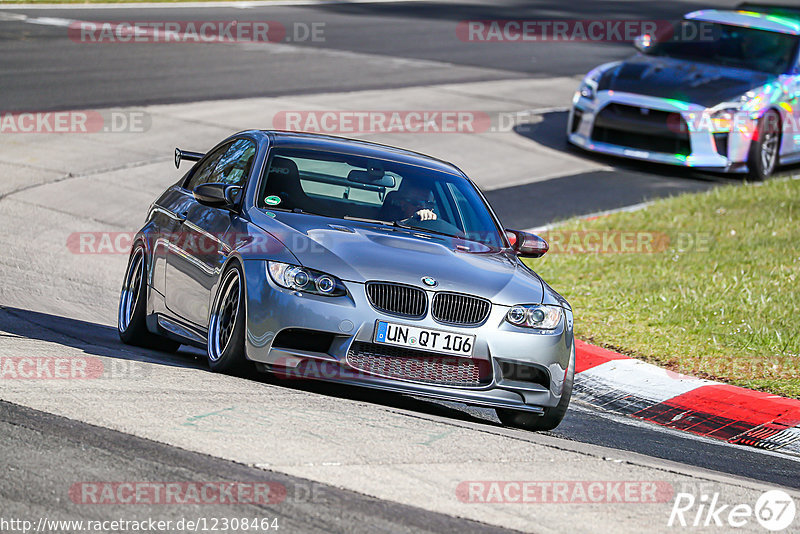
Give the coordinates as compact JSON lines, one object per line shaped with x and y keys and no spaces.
{"x":732,"y":46}
{"x":377,"y":191}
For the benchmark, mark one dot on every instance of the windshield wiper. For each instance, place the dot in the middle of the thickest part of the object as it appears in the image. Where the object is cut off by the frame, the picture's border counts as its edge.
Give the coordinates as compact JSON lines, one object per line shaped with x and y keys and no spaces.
{"x":362,"y":219}
{"x":294,"y":210}
{"x":304,"y":212}
{"x":398,"y":224}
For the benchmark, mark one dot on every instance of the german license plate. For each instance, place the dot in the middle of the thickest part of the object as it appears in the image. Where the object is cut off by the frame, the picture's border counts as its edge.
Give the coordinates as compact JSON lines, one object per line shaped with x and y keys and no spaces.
{"x":424,"y":339}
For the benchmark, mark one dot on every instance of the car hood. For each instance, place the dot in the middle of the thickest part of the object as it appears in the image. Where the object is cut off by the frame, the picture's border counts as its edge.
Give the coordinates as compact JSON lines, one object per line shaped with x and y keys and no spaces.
{"x":361,"y":252}
{"x":686,"y":81}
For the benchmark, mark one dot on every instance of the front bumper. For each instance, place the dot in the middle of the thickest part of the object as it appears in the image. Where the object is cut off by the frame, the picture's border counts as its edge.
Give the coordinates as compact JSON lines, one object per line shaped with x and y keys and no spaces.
{"x":686,"y":141}
{"x":351,"y":319}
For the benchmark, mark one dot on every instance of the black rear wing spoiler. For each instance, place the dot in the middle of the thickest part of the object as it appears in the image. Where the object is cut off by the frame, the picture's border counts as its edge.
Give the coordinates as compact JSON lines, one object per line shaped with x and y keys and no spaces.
{"x":770,"y":9}
{"x":186,"y":155}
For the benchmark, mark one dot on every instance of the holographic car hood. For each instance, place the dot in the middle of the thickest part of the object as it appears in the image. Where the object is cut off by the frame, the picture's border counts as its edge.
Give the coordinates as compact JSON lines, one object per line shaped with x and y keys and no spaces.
{"x":681,"y":80}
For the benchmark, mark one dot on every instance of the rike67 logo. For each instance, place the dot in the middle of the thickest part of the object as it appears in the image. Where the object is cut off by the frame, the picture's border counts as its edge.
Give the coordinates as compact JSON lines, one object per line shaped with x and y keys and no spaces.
{"x":774,"y":510}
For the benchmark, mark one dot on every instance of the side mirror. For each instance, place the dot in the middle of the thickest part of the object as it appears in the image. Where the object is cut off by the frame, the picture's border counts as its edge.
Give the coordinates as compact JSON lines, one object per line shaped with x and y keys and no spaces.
{"x":217,"y":195}
{"x":527,"y":245}
{"x":643,"y":43}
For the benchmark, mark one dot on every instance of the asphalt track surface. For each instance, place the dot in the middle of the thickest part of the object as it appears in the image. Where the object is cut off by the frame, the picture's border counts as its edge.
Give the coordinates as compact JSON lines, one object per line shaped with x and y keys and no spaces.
{"x":48,"y":73}
{"x":35,"y":442}
{"x":40,"y":69}
{"x":364,"y":46}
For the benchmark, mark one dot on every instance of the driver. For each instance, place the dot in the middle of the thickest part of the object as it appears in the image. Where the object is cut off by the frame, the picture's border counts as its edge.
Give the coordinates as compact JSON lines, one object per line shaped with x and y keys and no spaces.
{"x":411,"y":201}
{"x":765,"y":50}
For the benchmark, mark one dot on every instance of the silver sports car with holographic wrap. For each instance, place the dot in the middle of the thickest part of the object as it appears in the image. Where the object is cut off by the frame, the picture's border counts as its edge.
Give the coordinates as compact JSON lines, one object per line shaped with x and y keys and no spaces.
{"x":719,"y":91}
{"x":318,"y":257}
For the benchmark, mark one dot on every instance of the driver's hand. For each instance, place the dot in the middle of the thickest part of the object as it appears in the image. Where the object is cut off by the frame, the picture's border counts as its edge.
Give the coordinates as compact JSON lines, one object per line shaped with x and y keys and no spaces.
{"x":425,"y":215}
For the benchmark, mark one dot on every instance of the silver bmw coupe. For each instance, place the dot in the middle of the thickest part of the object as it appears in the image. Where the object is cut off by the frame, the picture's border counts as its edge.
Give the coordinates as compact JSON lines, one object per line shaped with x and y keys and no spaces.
{"x":316,"y":257}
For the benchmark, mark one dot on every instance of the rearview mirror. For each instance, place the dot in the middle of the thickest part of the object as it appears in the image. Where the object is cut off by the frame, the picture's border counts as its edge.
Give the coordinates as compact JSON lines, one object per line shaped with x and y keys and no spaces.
{"x":527,"y":245}
{"x":217,"y":195}
{"x":371,"y":177}
{"x":643,"y":43}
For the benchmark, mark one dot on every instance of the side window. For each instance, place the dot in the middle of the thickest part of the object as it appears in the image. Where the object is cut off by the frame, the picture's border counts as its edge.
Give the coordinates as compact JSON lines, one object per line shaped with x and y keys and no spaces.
{"x":234,"y":166}
{"x":229,"y":164}
{"x":206,"y":169}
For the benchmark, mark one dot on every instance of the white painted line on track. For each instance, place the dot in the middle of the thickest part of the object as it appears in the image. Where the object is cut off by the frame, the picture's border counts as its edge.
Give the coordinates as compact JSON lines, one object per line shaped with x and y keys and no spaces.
{"x":12,"y":17}
{"x":48,"y":21}
{"x":545,"y":178}
{"x":541,"y":111}
{"x":624,"y":209}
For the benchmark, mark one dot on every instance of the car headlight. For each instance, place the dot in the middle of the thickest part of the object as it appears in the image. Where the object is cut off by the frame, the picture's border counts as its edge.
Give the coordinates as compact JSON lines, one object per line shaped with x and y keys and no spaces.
{"x":539,"y":316}
{"x":303,"y":279}
{"x":735,"y":114}
{"x":588,"y":88}
{"x":724,"y":119}
{"x":587,"y":91}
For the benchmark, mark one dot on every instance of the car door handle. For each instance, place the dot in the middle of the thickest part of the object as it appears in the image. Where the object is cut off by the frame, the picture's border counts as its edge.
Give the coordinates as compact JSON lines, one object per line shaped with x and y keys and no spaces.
{"x":182,"y":216}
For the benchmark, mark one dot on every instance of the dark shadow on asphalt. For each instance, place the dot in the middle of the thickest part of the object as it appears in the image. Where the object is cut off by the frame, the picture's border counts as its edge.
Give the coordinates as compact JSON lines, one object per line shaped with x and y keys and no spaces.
{"x":100,"y":340}
{"x":541,"y":203}
{"x":92,"y":338}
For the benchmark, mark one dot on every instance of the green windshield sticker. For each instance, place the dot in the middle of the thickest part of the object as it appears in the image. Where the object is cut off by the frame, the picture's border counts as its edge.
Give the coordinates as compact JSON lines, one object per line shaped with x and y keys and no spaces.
{"x":273,"y":200}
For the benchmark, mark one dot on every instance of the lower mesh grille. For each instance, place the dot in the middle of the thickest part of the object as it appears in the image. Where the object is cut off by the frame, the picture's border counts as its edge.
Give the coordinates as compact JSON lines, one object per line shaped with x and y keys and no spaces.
{"x":642,"y":128}
{"x":418,"y":366}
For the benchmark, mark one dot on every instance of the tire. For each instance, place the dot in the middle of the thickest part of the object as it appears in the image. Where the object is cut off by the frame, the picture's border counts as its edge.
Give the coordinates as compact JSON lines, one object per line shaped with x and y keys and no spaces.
{"x":552,"y":416}
{"x":226,"y":325}
{"x":132,"y":313}
{"x":764,"y":149}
